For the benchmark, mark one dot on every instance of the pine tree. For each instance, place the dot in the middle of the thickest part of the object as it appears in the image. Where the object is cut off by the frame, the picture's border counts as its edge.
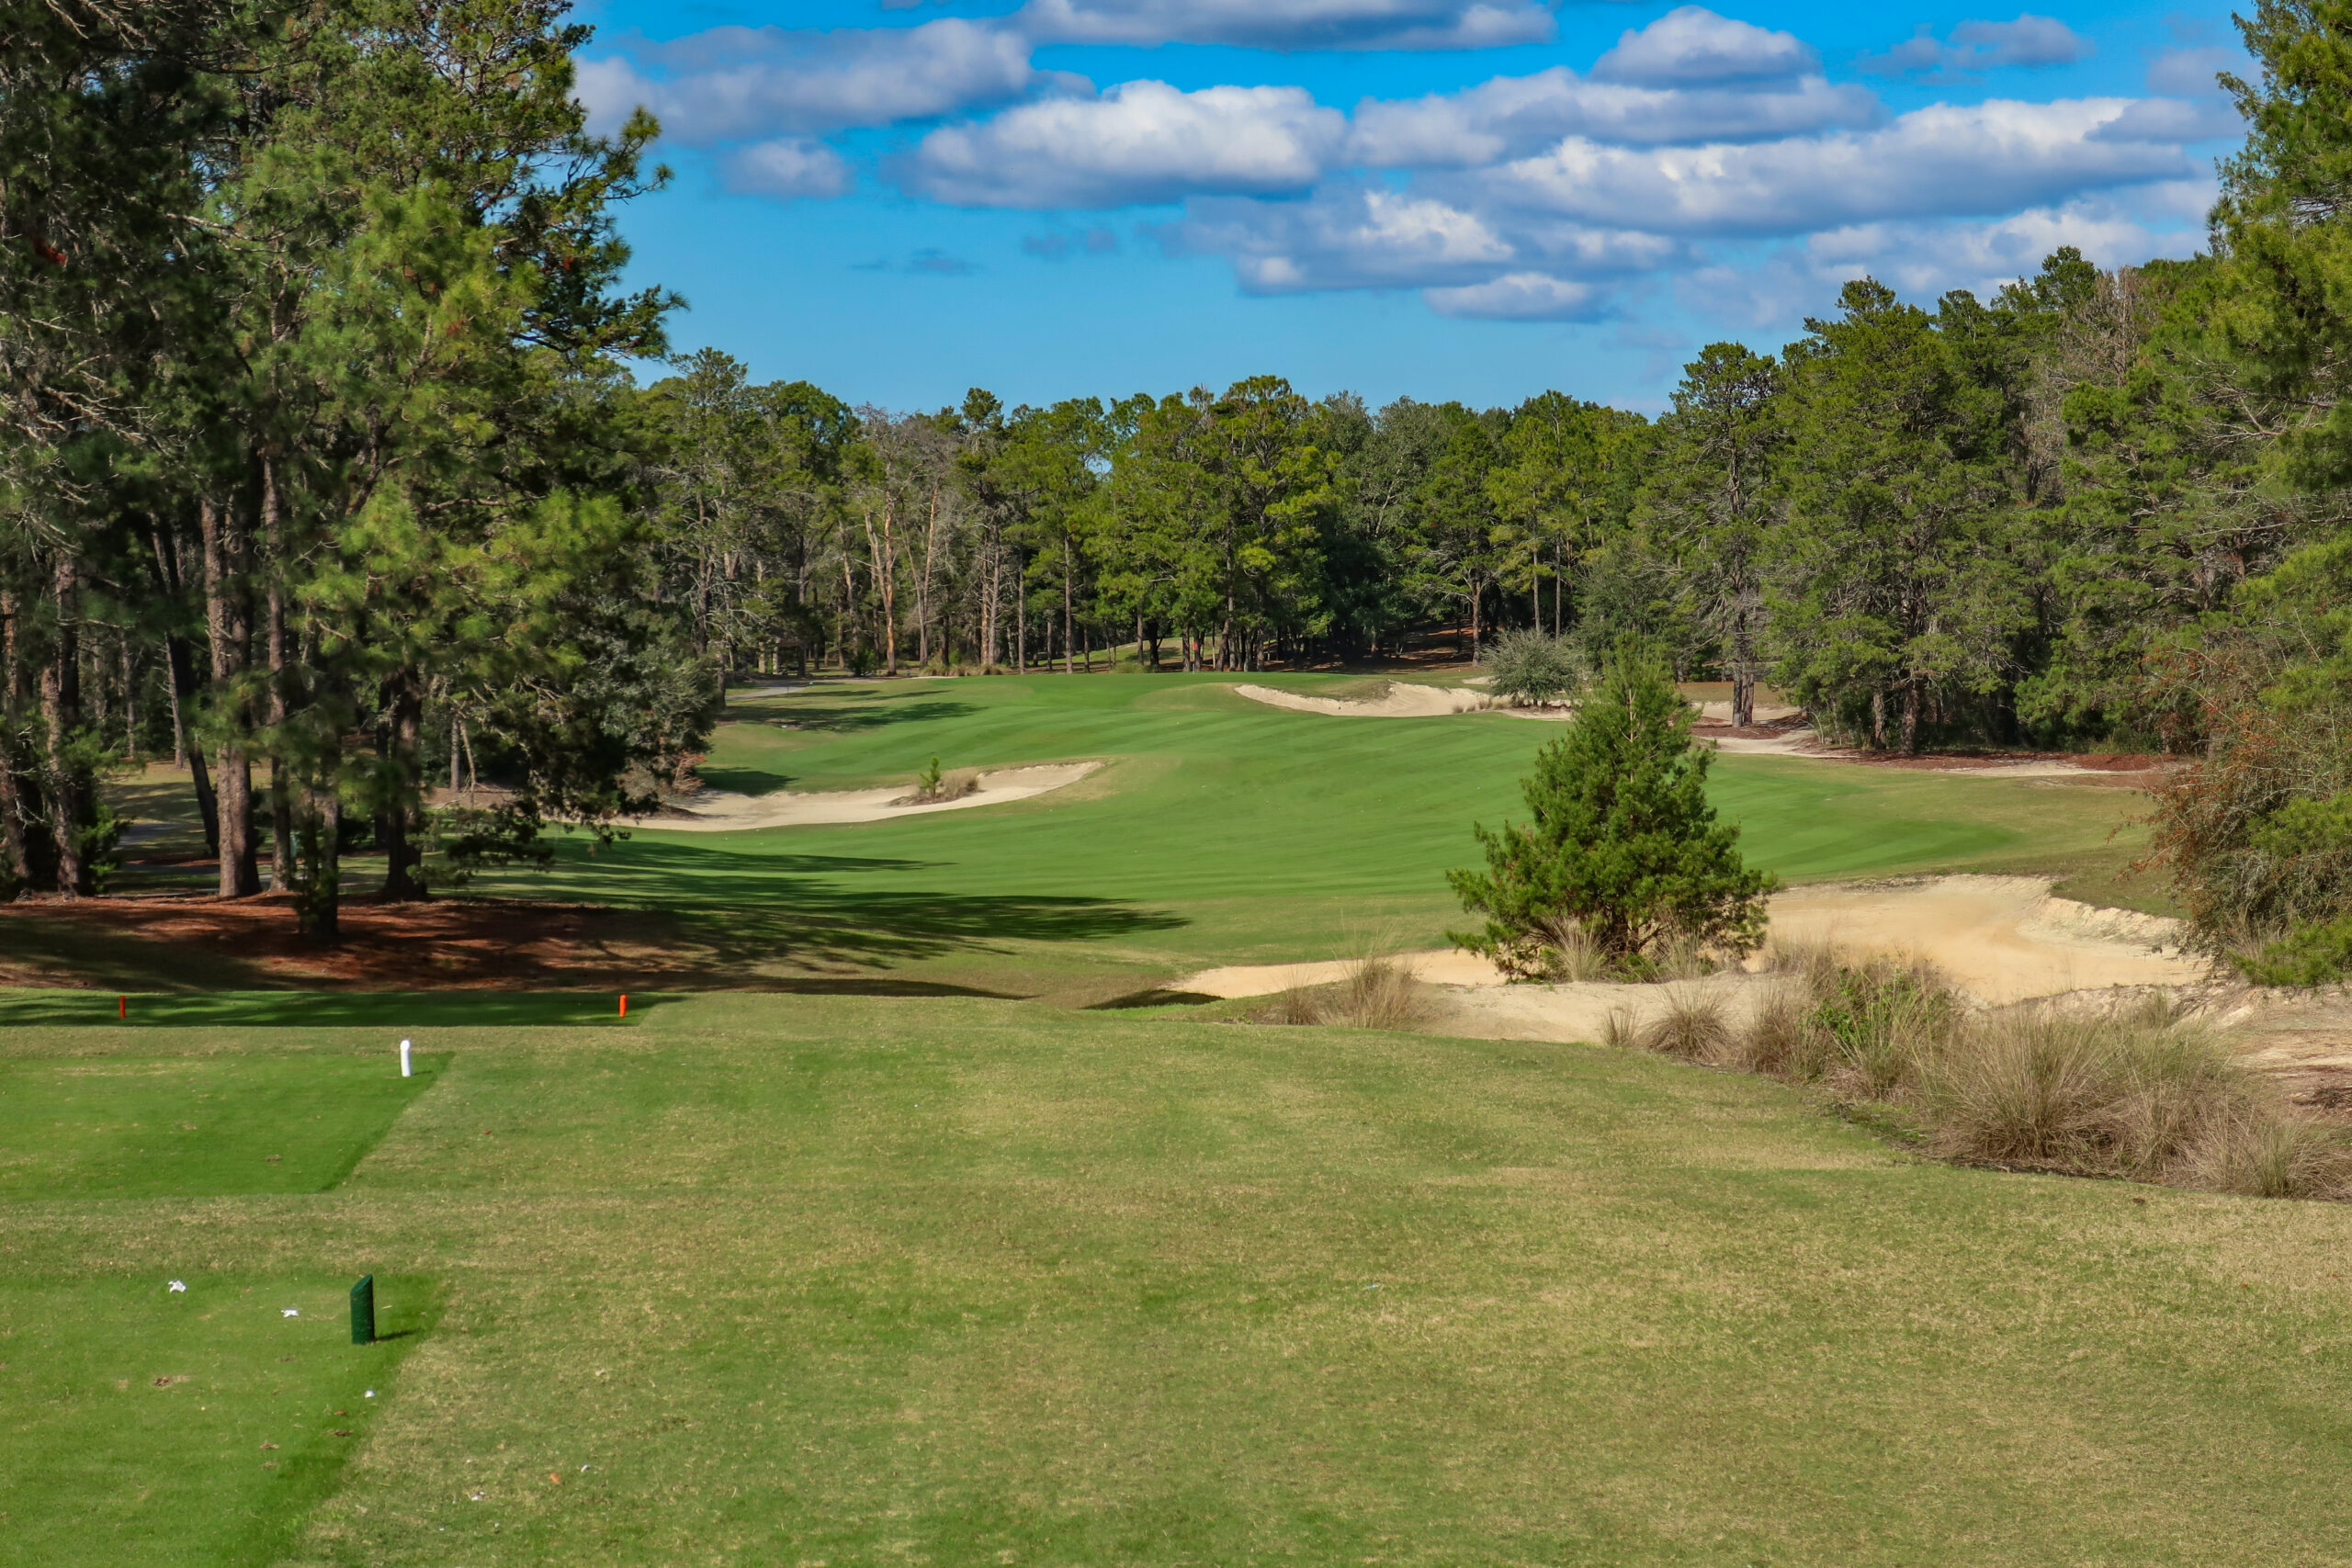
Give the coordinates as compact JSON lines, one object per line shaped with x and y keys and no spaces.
{"x":1622,"y":845}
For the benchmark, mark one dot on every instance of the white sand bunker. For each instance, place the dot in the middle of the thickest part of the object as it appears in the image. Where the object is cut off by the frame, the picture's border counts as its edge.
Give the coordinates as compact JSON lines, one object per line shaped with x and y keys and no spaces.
{"x":721,"y":811}
{"x":1400,"y":701}
{"x":2000,"y":939}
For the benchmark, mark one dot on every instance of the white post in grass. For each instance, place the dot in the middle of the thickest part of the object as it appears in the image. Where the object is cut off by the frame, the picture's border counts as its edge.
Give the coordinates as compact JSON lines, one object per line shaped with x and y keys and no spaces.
{"x":404,"y":1072}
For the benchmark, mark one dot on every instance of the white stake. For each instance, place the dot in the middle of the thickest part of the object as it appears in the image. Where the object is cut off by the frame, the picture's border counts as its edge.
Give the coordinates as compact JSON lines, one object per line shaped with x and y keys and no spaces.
{"x":404,"y":1072}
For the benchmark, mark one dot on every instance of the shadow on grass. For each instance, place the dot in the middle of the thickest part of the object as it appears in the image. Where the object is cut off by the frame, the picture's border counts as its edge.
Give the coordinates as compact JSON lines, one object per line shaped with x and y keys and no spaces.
{"x":807,"y":908}
{"x":898,"y":707}
{"x":1157,"y":997}
{"x":743,"y":781}
{"x":389,"y":1011}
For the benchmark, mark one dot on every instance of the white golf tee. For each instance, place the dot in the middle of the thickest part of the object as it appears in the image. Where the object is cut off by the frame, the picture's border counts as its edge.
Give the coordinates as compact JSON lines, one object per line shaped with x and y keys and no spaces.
{"x":404,"y":1072}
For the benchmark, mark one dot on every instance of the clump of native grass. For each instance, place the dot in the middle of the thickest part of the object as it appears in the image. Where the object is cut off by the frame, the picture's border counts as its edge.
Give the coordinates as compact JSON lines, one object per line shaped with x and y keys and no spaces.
{"x":2135,"y":1091}
{"x":1378,"y":991}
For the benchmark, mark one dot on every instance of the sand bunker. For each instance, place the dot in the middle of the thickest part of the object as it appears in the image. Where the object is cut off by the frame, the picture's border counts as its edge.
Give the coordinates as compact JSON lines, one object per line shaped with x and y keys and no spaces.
{"x":1400,"y":701}
{"x":721,"y":811}
{"x":2000,"y":939}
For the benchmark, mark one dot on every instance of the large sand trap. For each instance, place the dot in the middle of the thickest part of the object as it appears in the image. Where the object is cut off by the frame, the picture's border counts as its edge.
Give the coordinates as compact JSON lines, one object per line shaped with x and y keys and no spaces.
{"x":1400,"y":701}
{"x":721,"y":811}
{"x":2000,"y":939}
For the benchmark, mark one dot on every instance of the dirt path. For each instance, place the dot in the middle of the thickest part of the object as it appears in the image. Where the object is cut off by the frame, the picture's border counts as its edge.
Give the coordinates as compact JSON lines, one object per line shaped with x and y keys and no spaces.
{"x":721,"y":811}
{"x":2000,"y":939}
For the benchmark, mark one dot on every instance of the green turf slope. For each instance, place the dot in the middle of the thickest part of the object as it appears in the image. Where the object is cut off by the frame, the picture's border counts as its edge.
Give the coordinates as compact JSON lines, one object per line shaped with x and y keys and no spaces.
{"x":788,"y":1280}
{"x":1223,"y":830}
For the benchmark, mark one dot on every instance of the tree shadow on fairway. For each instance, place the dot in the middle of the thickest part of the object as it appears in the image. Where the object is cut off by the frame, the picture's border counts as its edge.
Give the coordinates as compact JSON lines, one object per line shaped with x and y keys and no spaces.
{"x":393,"y":1011}
{"x":743,"y":912}
{"x":743,"y":781}
{"x":907,"y":708}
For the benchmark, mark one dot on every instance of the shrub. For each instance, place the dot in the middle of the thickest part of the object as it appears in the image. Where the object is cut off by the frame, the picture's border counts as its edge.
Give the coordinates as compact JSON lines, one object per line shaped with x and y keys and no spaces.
{"x":1527,"y":666}
{"x":2308,"y":956}
{"x":1622,"y":845}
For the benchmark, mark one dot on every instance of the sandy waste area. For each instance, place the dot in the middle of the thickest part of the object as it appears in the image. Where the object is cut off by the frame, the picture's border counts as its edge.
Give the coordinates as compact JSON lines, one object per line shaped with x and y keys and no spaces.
{"x":1404,"y":700}
{"x":1999,"y":939}
{"x":1401,"y":699}
{"x":723,"y":811}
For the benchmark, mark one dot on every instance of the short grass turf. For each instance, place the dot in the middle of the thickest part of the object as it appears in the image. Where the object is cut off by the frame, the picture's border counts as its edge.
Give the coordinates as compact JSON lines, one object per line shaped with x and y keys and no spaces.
{"x":141,"y":1126}
{"x":1221,"y":830}
{"x":779,"y":1279}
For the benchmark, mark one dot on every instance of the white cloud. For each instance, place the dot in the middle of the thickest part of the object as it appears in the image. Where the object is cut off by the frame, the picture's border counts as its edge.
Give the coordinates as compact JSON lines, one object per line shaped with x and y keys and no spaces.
{"x":738,"y":83}
{"x":1366,"y":236}
{"x":1521,"y":297}
{"x":1942,"y":161}
{"x":790,"y":167}
{"x":1292,"y":24}
{"x":2189,"y":73}
{"x":2030,"y":40}
{"x":1924,"y":260}
{"x":1510,"y":115}
{"x":1345,"y":237}
{"x":1694,"y":45}
{"x":1140,"y":143}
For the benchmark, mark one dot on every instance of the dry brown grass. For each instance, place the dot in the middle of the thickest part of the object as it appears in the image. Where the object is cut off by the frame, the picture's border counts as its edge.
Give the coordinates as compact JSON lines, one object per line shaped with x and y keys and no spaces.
{"x":2136,"y":1092}
{"x":1693,"y":1026}
{"x":1377,"y":992}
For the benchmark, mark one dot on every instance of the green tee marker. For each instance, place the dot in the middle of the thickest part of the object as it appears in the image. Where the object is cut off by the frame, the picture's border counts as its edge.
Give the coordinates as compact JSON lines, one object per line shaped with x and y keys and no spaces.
{"x":363,"y":1311}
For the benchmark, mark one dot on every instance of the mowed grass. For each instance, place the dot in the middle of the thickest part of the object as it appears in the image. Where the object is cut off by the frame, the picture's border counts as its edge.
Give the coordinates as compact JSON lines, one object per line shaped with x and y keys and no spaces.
{"x":156,"y":1428}
{"x":139,"y":1126}
{"x":1221,"y":831}
{"x":777,"y":1278}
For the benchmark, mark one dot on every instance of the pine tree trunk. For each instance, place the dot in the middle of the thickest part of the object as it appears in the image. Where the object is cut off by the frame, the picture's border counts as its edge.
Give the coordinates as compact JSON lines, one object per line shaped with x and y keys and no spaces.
{"x":1067,"y":666}
{"x":61,"y":707}
{"x":405,"y":741}
{"x":12,"y":800}
{"x":1743,"y":668}
{"x":229,"y":627}
{"x":1911,"y":716}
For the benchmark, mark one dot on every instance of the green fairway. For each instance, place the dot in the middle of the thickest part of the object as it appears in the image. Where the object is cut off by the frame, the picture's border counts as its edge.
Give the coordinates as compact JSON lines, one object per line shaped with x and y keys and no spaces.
{"x":778,"y":1278}
{"x":1221,"y":830}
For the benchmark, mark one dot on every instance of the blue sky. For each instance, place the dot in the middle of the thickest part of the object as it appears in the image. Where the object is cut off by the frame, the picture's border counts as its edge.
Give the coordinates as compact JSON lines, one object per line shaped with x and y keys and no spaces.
{"x":1446,"y":198}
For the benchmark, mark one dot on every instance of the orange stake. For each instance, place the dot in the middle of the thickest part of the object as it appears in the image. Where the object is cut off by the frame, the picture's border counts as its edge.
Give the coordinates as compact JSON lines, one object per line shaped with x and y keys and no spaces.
{"x":623,"y":1004}
{"x":122,"y":1007}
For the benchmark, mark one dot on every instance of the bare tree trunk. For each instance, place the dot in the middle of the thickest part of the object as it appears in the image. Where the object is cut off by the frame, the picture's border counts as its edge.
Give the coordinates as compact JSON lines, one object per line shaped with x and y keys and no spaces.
{"x":1743,"y":666}
{"x":403,"y":740}
{"x":12,"y":801}
{"x":1911,"y":716}
{"x":1877,"y":720}
{"x":1067,"y":666}
{"x":992,"y":601}
{"x":61,"y":706}
{"x":226,"y":623}
{"x":922,"y":588}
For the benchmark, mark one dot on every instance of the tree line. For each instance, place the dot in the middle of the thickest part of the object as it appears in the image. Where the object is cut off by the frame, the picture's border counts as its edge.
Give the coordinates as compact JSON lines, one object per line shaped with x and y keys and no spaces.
{"x":325,"y":466}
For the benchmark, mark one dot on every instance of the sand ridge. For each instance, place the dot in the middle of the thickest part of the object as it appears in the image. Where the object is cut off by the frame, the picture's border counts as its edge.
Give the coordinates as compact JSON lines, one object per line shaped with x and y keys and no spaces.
{"x":722,"y":811}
